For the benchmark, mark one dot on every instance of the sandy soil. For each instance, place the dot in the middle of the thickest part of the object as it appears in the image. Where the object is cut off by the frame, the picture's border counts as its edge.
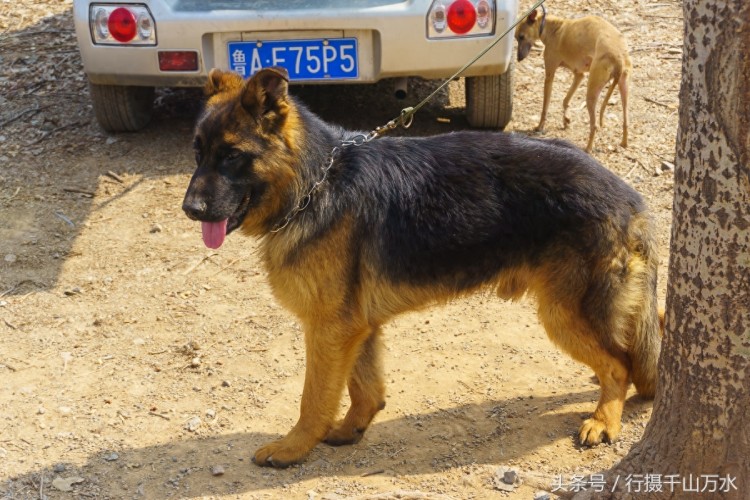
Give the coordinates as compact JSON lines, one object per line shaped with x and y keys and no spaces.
{"x":135,"y":363}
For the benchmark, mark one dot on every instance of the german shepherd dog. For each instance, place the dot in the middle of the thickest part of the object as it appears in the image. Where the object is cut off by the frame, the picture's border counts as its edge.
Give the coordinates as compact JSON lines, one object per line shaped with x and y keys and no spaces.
{"x":400,"y":223}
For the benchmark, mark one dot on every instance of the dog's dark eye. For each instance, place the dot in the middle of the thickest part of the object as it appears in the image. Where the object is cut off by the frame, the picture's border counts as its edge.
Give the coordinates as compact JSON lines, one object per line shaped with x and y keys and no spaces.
{"x":233,"y":154}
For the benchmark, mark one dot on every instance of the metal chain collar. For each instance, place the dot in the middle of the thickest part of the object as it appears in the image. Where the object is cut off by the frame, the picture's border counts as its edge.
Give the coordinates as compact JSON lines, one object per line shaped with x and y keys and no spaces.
{"x":405,"y":119}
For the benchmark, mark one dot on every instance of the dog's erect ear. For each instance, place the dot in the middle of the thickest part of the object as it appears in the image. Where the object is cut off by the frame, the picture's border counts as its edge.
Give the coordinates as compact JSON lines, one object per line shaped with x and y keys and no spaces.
{"x":532,"y":17}
{"x":266,"y":91}
{"x":219,"y":81}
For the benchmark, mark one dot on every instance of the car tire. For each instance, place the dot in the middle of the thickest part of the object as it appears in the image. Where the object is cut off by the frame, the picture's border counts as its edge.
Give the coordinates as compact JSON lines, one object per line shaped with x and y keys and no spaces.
{"x":122,"y":109}
{"x":489,"y":100}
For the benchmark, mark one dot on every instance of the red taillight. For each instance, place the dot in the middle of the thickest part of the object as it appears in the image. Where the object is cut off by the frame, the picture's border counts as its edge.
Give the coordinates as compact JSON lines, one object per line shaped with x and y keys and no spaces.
{"x":121,"y":24}
{"x":461,"y":16}
{"x":178,"y":60}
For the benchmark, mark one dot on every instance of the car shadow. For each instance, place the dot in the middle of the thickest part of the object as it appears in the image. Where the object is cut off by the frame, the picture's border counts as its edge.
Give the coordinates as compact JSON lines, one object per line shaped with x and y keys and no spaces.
{"x":490,"y":433}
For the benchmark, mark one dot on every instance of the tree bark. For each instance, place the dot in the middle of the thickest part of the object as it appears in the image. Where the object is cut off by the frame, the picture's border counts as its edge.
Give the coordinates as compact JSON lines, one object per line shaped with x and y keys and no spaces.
{"x":699,"y":433}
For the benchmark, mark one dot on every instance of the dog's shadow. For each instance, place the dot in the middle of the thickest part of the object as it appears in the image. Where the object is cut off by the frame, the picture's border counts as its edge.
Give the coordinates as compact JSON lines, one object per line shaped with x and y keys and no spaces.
{"x":494,"y":432}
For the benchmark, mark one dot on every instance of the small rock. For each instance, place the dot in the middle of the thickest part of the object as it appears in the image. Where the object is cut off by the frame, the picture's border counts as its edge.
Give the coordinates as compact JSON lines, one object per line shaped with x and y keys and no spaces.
{"x":195,"y":362}
{"x":211,"y":414}
{"x":111,"y":140}
{"x":505,"y":479}
{"x":73,"y":291}
{"x":59,"y":468}
{"x":66,"y":484}
{"x":156,"y":228}
{"x":11,"y":258}
{"x":217,"y":470}
{"x":193,"y":424}
{"x":41,"y":411}
{"x":111,"y":457}
{"x":226,"y":383}
{"x":542,"y":495}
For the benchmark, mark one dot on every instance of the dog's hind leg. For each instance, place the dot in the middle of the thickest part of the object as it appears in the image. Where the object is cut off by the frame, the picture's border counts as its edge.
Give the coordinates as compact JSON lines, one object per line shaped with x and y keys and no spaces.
{"x":577,"y":77}
{"x":598,"y":78}
{"x":332,"y":348}
{"x":574,"y":335}
{"x":605,"y":102}
{"x":367,"y":393}
{"x":623,"y":84}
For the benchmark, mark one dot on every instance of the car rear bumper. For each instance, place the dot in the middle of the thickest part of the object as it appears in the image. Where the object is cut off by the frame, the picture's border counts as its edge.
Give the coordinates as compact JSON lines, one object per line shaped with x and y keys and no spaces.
{"x":391,"y":39}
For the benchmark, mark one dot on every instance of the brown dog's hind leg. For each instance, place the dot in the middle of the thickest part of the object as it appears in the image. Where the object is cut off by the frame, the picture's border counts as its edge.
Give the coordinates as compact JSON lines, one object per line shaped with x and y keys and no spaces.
{"x":331,"y":349}
{"x":367,"y":393}
{"x":577,"y":77}
{"x":574,"y":335}
{"x":598,"y":78}
{"x":623,"y":84}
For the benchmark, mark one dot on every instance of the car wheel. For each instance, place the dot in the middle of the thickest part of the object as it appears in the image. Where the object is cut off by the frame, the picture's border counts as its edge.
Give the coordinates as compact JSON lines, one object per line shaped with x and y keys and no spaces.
{"x":122,"y":109}
{"x":489,"y":100}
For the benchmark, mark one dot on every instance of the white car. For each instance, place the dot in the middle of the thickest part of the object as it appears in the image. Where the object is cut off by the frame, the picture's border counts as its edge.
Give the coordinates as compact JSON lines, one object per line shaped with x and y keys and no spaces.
{"x":128,"y":49}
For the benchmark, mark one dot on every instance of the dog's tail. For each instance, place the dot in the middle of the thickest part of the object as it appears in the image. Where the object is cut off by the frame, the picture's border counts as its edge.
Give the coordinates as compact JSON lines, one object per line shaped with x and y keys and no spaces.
{"x":647,"y":320}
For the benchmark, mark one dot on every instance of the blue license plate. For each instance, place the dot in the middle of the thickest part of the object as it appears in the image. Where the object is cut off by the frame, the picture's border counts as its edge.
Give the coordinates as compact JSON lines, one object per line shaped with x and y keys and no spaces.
{"x":327,"y":59}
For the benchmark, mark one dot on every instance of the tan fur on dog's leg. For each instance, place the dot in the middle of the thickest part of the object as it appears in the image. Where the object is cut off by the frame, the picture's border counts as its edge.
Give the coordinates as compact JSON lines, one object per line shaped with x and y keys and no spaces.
{"x":605,"y":102}
{"x":623,"y":84}
{"x":574,"y":335}
{"x":331,"y":351}
{"x":367,"y":393}
{"x":577,"y":78}
{"x":549,"y":78}
{"x":598,"y":78}
{"x":613,"y":378}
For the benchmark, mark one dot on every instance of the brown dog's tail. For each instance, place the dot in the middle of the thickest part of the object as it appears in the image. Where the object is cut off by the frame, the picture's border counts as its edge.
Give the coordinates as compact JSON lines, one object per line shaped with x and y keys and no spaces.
{"x":645,"y":346}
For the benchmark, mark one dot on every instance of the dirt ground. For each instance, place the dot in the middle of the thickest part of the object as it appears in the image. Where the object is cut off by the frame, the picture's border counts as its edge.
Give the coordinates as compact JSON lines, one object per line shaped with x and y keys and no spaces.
{"x":135,"y":363}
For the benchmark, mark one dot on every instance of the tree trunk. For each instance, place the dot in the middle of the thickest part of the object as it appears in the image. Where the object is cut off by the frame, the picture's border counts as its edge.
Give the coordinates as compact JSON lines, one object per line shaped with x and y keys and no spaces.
{"x":699,"y":433}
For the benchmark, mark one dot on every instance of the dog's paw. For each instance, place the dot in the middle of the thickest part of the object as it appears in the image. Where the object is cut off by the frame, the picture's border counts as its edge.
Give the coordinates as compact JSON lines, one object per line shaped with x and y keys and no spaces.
{"x":280,"y":454}
{"x":594,"y":431}
{"x":343,"y":434}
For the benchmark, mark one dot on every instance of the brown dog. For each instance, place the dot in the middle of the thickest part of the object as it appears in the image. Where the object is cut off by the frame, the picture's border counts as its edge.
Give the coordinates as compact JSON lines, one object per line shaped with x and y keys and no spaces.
{"x":589,"y":44}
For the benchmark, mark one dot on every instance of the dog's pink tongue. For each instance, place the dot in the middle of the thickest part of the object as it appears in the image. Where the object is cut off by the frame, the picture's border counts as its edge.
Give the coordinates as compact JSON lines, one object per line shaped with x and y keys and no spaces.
{"x":214,"y":233}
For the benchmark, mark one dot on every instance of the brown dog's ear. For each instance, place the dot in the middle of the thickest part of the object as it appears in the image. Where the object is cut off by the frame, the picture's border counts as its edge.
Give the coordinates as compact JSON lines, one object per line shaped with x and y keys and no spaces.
{"x":532,"y":17}
{"x":266,"y":91}
{"x":219,"y":81}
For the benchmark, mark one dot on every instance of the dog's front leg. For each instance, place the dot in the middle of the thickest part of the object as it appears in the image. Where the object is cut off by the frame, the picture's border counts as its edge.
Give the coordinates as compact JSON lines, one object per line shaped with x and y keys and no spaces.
{"x":549,"y":78}
{"x":331,"y":350}
{"x":367,"y":393}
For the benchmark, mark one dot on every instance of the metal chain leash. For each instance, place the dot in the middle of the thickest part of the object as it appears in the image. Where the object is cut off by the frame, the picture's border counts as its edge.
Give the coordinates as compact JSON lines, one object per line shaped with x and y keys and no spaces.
{"x":357,"y":140}
{"x":405,"y":120}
